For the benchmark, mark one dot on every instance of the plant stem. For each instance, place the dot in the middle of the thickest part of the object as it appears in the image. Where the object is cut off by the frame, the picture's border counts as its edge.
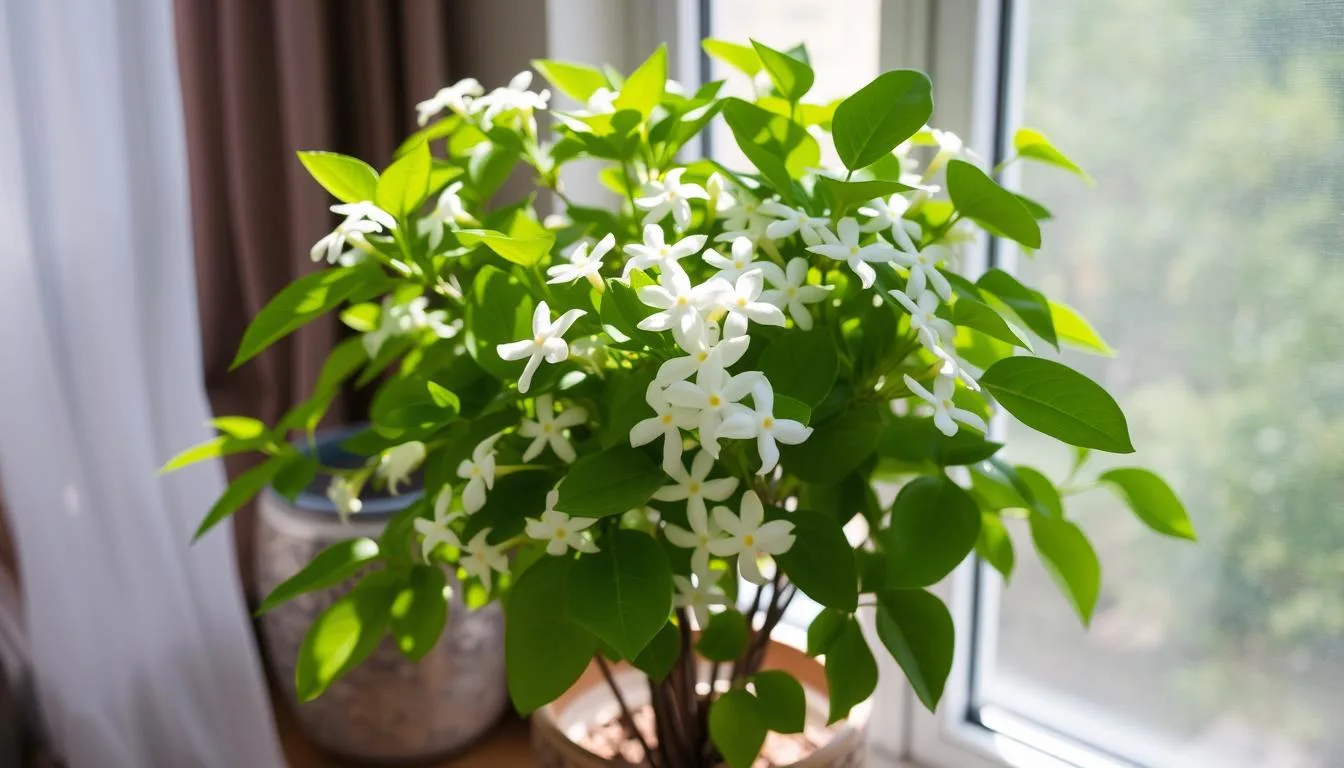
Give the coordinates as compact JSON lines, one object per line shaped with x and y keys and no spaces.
{"x":627,"y":717}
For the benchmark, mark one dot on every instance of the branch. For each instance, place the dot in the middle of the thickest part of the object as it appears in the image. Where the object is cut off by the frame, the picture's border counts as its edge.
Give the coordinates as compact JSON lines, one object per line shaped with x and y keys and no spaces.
{"x":627,"y":718}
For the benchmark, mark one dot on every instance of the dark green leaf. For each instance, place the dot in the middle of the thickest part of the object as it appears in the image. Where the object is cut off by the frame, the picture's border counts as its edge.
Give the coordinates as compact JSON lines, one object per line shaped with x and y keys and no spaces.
{"x":836,"y":447}
{"x":1070,"y":560}
{"x":1056,"y":400}
{"x":970,"y":313}
{"x":1030,"y":306}
{"x":300,"y":302}
{"x":994,"y":545}
{"x":869,"y":124}
{"x":737,"y":727}
{"x":824,"y":629}
{"x":419,"y":611}
{"x":1042,"y":490}
{"x":609,"y":483}
{"x":917,"y":440}
{"x":342,"y":636}
{"x":851,"y":671}
{"x":499,"y":310}
{"x":725,"y":638}
{"x":545,"y":650}
{"x":981,"y":198}
{"x":809,"y":382}
{"x":295,"y":476}
{"x":622,"y":594}
{"x":782,"y":702}
{"x":821,"y":561}
{"x":329,"y":567}
{"x":846,"y":194}
{"x":916,"y":628}
{"x":239,"y":492}
{"x":405,"y":183}
{"x":660,"y":654}
{"x":791,"y":77}
{"x":934,"y":525}
{"x":1151,"y":499}
{"x":348,"y":179}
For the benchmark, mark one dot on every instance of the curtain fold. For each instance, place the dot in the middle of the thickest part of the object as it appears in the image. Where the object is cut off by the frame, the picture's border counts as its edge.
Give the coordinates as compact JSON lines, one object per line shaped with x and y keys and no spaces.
{"x":261,"y":80}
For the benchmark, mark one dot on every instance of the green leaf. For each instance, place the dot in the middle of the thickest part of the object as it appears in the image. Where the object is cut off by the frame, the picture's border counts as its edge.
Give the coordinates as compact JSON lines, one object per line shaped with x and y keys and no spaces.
{"x":443,"y":398}
{"x":836,"y":447}
{"x":848,"y":193}
{"x":623,"y":593}
{"x":523,"y":251}
{"x":1030,"y":306}
{"x":995,"y":546}
{"x":1056,"y":400}
{"x":499,"y":310}
{"x":916,"y":440}
{"x":329,"y":567}
{"x":1038,"y":212}
{"x":405,"y":183}
{"x":420,"y":611}
{"x":295,"y":476}
{"x":298,"y":303}
{"x":916,"y":628}
{"x":743,"y":58}
{"x":658,"y":657}
{"x":737,"y":727}
{"x":240,"y":427}
{"x":609,"y":483}
{"x":725,"y":638}
{"x":851,"y":671}
{"x":792,"y":78}
{"x":824,"y":629}
{"x":577,"y":81}
{"x":743,"y":122}
{"x":970,"y":313}
{"x":782,"y":702}
{"x":811,"y":382}
{"x":821,"y":561}
{"x":1070,"y":560}
{"x":934,"y":525}
{"x":1075,"y":331}
{"x":239,"y":492}
{"x":361,"y":317}
{"x":215,"y":447}
{"x":979,"y":197}
{"x":1151,"y":499}
{"x":1033,"y":144}
{"x":643,"y":89}
{"x":348,"y":179}
{"x":1042,"y":490}
{"x":869,"y":124}
{"x":791,"y":408}
{"x":545,"y":650}
{"x":342,"y":636}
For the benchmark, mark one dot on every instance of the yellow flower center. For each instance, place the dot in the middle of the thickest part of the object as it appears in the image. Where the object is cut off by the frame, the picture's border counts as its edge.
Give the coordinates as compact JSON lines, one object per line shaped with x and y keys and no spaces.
{"x":546,"y":428}
{"x":715,"y":401}
{"x":667,"y":418}
{"x":741,"y":302}
{"x":560,"y":533}
{"x":790,"y":292}
{"x":768,"y":422}
{"x":682,"y":301}
{"x":853,"y":250}
{"x":702,"y":356}
{"x":475,"y":470}
{"x":694,"y":487}
{"x":539,"y":340}
{"x":664,"y":250}
{"x":749,"y":540}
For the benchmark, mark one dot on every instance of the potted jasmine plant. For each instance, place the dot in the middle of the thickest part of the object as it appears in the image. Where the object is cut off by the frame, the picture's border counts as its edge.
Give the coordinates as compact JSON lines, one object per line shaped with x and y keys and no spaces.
{"x":647,"y":428}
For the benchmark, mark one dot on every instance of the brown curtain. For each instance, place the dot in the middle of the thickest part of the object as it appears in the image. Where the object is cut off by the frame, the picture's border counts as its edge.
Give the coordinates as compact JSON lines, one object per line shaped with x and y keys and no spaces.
{"x":262,"y":79}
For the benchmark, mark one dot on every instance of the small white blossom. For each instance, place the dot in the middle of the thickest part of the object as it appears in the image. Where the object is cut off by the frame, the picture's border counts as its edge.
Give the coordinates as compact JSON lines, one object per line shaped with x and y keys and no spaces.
{"x":744,"y":305}
{"x":750,"y":537}
{"x":479,"y":472}
{"x":448,"y":211}
{"x":847,"y":249}
{"x":549,"y":429}
{"x":950,"y":147}
{"x":397,"y":463}
{"x":789,"y":221}
{"x":666,"y":422}
{"x":711,"y":394}
{"x":480,"y":558}
{"x":790,"y":291}
{"x":670,"y":196}
{"x":889,"y":215}
{"x":923,"y":267}
{"x":683,"y":306}
{"x":744,"y":219}
{"x":403,"y":319}
{"x":720,"y":198}
{"x":362,"y":218}
{"x":435,"y":532}
{"x":602,"y":101}
{"x":344,"y":496}
{"x":513,"y":98}
{"x":655,"y":251}
{"x":456,"y":97}
{"x":945,"y":411}
{"x":560,"y":531}
{"x":698,"y":596}
{"x":694,"y":488}
{"x":547,"y":342}
{"x":934,"y":332}
{"x":583,"y":263}
{"x":743,"y":260}
{"x":727,"y":352}
{"x":743,"y":423}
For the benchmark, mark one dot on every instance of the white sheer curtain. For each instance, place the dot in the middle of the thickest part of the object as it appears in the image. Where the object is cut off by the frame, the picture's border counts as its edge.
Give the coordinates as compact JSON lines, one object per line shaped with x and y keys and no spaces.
{"x":141,"y":644}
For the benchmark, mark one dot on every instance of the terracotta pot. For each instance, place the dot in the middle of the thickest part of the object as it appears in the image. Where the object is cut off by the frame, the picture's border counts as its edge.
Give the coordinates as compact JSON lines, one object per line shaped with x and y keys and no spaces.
{"x":556,"y":726}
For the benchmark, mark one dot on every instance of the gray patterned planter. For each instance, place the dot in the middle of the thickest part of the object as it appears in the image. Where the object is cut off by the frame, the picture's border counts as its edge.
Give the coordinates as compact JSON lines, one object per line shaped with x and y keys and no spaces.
{"x":388,"y":709}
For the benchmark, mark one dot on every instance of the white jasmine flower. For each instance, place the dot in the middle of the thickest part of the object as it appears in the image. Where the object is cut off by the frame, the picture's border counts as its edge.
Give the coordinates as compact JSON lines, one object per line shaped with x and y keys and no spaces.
{"x":435,"y":532}
{"x":793,"y":220}
{"x":448,"y":211}
{"x":743,"y":260}
{"x":549,"y":429}
{"x":683,"y":306}
{"x":727,"y":352}
{"x":480,"y":558}
{"x":694,"y":487}
{"x":583,"y":263}
{"x":950,"y":147}
{"x":889,"y":215}
{"x":945,"y":412}
{"x":560,"y":531}
{"x":744,"y":305}
{"x":743,"y":423}
{"x":792,"y":292}
{"x":655,"y":252}
{"x":744,"y":220}
{"x":602,"y":101}
{"x":923,"y":267}
{"x":397,"y":463}
{"x":479,"y":472}
{"x":666,"y":422}
{"x":403,"y":319}
{"x":513,"y":98}
{"x":698,"y":596}
{"x":674,"y":87}
{"x":954,"y":367}
{"x":750,"y":537}
{"x":547,"y":342}
{"x":361,"y":219}
{"x":720,"y":198}
{"x":711,"y":394}
{"x":846,"y":248}
{"x":456,"y":97}
{"x":934,"y":332}
{"x":344,"y":496}
{"x":670,"y":196}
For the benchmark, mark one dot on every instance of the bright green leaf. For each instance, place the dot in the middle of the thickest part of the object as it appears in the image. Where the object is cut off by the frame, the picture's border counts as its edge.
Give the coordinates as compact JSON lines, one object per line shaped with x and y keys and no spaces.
{"x":341,"y":637}
{"x":1056,"y":400}
{"x":847,"y":194}
{"x":348,"y":179}
{"x":239,"y":492}
{"x":419,"y":611}
{"x":934,"y":525}
{"x":1151,"y":499}
{"x":643,"y":89}
{"x":545,"y":650}
{"x":791,"y":77}
{"x":609,"y":482}
{"x":329,"y":567}
{"x":917,"y":629}
{"x":725,"y":638}
{"x":623,"y":593}
{"x":737,"y":727}
{"x":298,"y":303}
{"x":851,"y":671}
{"x":1076,"y":331}
{"x":782,"y":702}
{"x":981,"y":198}
{"x":995,"y":546}
{"x":523,"y":251}
{"x":1042,"y":490}
{"x":880,"y":115}
{"x":1070,"y":560}
{"x":499,"y":310}
{"x":405,"y":183}
{"x":577,"y":81}
{"x":741,"y":57}
{"x":1033,"y":144}
{"x":215,"y":447}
